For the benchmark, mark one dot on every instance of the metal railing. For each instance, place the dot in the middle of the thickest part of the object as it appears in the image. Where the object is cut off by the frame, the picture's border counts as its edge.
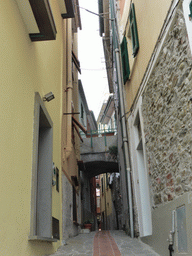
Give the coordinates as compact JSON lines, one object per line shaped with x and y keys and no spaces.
{"x":100,"y":133}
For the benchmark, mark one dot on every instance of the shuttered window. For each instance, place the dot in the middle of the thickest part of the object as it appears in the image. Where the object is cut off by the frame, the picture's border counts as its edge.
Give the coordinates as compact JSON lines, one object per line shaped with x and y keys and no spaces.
{"x":125,"y":60}
{"x":134,"y":32}
{"x":101,"y":20}
{"x":190,"y":8}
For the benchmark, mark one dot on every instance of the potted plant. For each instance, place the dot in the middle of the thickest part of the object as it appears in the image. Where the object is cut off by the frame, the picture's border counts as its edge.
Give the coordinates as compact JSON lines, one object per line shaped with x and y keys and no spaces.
{"x":88,"y":224}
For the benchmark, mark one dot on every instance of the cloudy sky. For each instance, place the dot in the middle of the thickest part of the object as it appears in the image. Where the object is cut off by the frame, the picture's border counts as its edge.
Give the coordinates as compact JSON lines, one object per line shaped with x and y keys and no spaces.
{"x":91,"y":56}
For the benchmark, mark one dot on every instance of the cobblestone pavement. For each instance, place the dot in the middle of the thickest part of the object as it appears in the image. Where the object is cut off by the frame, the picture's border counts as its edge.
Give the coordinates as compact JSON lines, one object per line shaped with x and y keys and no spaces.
{"x":83,"y":245}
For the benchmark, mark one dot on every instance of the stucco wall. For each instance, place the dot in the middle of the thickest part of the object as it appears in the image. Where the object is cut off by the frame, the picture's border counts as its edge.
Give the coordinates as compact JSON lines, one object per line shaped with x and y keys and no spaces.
{"x":69,"y":229}
{"x":26,"y":67}
{"x":150,"y":16}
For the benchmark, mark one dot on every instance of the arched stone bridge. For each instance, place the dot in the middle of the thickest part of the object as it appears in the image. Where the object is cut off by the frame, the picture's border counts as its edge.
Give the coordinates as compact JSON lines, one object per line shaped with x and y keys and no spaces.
{"x":95,"y":155}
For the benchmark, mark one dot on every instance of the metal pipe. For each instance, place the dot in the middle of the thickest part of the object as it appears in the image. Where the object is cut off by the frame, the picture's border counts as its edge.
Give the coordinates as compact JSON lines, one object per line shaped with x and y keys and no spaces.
{"x":125,"y":140}
{"x":68,"y":147}
{"x":91,"y":139}
{"x":170,"y":247}
{"x":114,"y":26}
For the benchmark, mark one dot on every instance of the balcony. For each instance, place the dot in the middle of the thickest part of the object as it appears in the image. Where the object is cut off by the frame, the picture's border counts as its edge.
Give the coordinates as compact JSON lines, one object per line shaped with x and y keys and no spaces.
{"x":38,"y":17}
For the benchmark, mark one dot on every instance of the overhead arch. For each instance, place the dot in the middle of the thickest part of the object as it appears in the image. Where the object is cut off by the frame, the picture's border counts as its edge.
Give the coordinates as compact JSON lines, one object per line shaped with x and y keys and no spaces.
{"x":95,"y":168}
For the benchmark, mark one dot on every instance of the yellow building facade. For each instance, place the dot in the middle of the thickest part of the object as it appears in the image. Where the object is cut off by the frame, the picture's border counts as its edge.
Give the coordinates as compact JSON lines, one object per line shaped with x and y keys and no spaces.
{"x":148,"y":33}
{"x":106,"y":202}
{"x":33,"y":130}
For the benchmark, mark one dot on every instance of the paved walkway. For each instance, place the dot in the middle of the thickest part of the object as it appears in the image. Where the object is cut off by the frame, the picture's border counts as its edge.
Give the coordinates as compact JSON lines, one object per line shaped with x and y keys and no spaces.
{"x":104,"y":243}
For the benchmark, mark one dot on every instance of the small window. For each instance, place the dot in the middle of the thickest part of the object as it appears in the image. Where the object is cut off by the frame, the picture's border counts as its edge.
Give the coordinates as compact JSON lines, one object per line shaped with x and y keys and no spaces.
{"x":101,"y":20}
{"x":55,"y":228}
{"x":102,"y":186}
{"x":133,"y":30}
{"x":57,"y":179}
{"x":74,"y":205}
{"x":125,"y":60}
{"x":82,"y":111}
{"x":190,"y":8}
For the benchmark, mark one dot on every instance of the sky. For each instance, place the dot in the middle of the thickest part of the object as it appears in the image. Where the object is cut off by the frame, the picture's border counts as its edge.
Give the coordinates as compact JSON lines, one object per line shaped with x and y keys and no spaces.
{"x":91,"y":57}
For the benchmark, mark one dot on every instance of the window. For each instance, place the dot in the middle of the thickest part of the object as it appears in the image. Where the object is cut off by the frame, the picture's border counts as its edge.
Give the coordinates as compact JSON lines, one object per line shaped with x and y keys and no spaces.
{"x":74,"y":205}
{"x":98,"y":202}
{"x":133,"y":30}
{"x":55,"y":228}
{"x":41,"y":199}
{"x":82,"y":111}
{"x":190,"y":8}
{"x":101,"y":20}
{"x":130,"y":44}
{"x":125,"y":60}
{"x":102,"y":185}
{"x":57,"y":179}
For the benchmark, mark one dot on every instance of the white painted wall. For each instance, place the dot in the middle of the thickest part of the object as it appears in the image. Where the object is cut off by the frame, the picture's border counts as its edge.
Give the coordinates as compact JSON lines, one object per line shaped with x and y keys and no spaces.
{"x":188,"y":21}
{"x":140,"y":174}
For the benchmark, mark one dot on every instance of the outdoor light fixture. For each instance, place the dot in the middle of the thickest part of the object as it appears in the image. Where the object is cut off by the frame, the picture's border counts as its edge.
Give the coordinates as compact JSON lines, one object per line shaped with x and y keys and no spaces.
{"x":49,"y":96}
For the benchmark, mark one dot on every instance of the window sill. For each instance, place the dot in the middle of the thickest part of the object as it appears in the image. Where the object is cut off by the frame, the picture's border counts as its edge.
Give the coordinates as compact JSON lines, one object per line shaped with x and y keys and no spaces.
{"x":43,"y":239}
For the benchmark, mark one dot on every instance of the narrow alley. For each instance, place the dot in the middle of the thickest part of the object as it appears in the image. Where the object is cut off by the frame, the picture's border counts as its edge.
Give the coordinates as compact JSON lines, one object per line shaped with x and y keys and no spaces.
{"x":104,"y":243}
{"x":73,"y":162}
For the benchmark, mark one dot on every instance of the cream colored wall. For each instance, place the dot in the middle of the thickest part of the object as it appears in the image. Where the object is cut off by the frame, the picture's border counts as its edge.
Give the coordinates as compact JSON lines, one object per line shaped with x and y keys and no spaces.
{"x":76,"y":97}
{"x":121,"y":5}
{"x":26,"y":67}
{"x":150,"y":16}
{"x":106,"y":205}
{"x":70,"y":165}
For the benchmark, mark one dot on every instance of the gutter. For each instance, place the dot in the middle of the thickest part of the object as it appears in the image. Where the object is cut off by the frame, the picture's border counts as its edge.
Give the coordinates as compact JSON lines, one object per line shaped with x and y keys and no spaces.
{"x":68,"y":147}
{"x":123,"y":115}
{"x":125,"y":141}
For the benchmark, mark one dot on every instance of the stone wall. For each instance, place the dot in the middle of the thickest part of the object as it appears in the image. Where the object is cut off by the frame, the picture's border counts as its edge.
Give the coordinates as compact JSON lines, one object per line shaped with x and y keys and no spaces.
{"x":167,"y":115}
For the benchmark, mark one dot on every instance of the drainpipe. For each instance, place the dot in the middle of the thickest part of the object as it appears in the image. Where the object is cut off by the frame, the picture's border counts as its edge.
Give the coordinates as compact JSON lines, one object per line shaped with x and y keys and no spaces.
{"x":123,"y":116}
{"x":125,"y":140}
{"x":68,"y":147}
{"x":170,"y":240}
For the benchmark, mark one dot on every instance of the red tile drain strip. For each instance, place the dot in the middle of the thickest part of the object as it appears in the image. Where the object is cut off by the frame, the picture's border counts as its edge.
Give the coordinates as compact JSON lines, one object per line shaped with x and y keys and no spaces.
{"x":105,"y":245}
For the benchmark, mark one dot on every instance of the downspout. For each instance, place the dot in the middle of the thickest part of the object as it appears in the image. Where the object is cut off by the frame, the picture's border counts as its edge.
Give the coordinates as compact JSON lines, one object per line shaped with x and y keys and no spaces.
{"x":125,"y":140}
{"x":123,"y":116}
{"x":68,"y":147}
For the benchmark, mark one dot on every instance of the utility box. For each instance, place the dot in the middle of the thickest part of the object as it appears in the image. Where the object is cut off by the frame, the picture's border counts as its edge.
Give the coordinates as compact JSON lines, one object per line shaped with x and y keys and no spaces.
{"x":181,"y":229}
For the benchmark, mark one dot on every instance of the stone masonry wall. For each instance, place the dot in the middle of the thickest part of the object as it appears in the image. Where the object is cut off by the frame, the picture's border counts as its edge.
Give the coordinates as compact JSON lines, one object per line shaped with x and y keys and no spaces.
{"x":167,"y":115}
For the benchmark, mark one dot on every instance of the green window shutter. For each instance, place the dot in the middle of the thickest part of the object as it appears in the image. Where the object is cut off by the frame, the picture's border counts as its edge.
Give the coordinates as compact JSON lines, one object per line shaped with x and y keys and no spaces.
{"x":101,"y":20}
{"x":82,"y":111}
{"x":125,"y":60}
{"x":134,"y":33}
{"x":190,"y":8}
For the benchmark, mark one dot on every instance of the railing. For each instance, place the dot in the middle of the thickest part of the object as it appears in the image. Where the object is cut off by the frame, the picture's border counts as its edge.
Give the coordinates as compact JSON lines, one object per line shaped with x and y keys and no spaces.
{"x":99,"y":133}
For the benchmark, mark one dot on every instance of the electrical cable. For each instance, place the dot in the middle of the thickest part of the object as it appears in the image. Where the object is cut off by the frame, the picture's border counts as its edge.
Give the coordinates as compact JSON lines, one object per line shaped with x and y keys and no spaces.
{"x":98,"y":14}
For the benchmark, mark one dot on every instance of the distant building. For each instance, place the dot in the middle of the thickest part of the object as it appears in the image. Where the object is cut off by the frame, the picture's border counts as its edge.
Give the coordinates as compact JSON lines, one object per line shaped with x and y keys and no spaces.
{"x":106,"y":120}
{"x":111,"y":202}
{"x":87,"y":117}
{"x":88,"y":186}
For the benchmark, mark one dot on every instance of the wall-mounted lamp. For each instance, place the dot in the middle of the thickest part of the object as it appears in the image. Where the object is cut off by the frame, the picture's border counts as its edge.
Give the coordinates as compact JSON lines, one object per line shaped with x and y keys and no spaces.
{"x":48,"y":97}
